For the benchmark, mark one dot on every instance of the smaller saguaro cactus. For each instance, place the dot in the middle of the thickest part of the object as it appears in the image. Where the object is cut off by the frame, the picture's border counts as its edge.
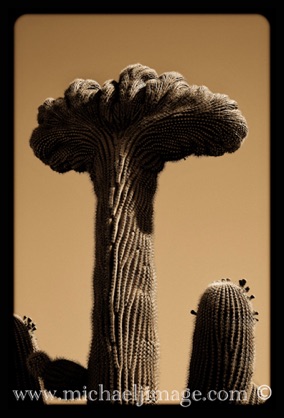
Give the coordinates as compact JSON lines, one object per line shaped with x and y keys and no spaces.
{"x":24,"y":345}
{"x":223,"y":346}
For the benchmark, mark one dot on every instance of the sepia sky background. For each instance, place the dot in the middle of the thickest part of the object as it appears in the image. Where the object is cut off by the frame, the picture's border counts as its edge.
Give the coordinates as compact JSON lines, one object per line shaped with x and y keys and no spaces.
{"x":212,"y":215}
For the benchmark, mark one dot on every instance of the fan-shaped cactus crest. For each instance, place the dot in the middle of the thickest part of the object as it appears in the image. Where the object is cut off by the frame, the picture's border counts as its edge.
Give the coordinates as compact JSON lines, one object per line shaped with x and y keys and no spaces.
{"x":122,"y":133}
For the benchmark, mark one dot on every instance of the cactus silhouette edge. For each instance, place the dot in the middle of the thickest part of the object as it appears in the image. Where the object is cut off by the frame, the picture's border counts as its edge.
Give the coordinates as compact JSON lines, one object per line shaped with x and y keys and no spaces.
{"x":122,"y":133}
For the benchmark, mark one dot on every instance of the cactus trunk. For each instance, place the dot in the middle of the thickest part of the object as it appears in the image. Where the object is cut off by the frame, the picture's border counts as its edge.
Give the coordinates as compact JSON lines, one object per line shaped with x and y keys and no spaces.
{"x":124,"y":350}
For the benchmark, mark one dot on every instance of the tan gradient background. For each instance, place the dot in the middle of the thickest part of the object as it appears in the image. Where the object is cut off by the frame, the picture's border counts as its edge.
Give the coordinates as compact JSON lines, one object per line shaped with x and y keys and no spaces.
{"x":212,"y":215}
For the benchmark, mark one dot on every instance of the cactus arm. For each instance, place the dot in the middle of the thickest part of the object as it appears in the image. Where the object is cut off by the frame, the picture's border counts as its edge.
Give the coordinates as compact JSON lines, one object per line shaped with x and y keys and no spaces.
{"x":59,"y":376}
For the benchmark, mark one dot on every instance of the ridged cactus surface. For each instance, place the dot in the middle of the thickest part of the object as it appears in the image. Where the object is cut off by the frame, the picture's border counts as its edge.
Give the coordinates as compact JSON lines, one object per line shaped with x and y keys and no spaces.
{"x":122,"y":133}
{"x":60,"y":376}
{"x":223,"y":345}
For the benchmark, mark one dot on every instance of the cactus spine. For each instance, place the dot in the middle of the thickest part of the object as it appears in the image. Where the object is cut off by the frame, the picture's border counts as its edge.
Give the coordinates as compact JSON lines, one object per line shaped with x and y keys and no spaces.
{"x":122,"y":133}
{"x":223,"y":346}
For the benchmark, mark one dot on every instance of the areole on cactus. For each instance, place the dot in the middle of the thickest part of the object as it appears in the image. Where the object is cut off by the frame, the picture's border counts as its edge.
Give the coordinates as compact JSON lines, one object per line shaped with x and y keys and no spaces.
{"x":122,"y":133}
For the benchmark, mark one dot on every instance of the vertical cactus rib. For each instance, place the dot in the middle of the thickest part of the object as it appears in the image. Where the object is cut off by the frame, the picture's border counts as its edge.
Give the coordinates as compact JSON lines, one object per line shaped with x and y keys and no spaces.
{"x":223,"y":345}
{"x":122,"y":133}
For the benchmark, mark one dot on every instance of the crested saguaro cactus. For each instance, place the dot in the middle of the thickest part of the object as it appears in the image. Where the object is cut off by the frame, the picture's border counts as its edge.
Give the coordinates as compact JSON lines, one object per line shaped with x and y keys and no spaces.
{"x":223,"y":346}
{"x":122,"y":133}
